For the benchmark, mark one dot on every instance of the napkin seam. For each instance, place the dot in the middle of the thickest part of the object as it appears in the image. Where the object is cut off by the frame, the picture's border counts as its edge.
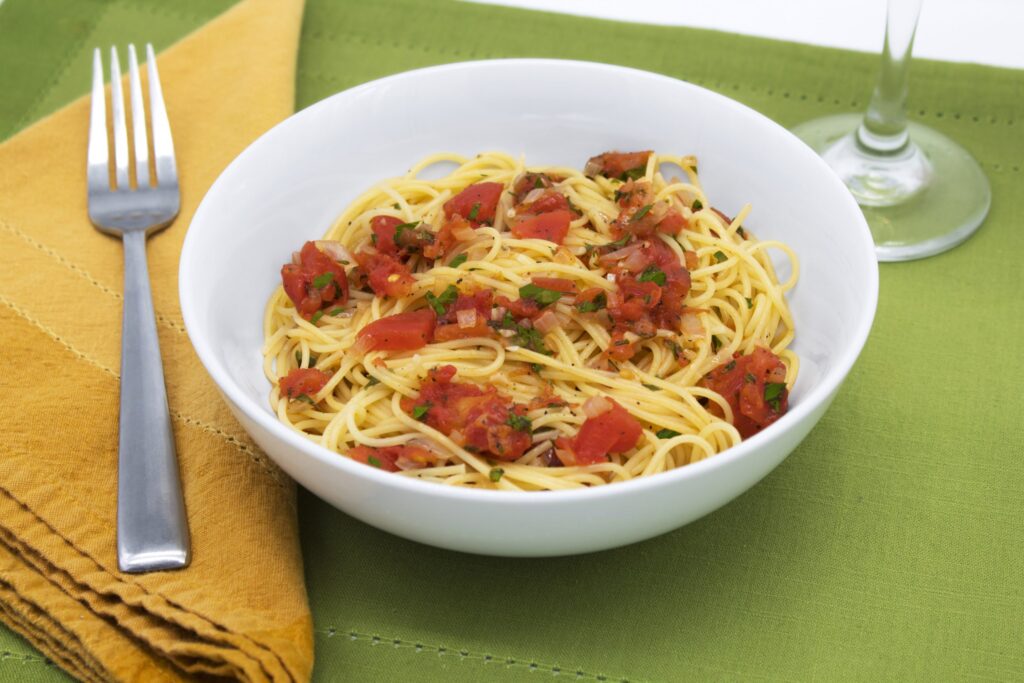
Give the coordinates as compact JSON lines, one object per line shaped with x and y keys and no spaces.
{"x":59,"y":70}
{"x":464,"y":654}
{"x":89,"y":277}
{"x":256,"y":458}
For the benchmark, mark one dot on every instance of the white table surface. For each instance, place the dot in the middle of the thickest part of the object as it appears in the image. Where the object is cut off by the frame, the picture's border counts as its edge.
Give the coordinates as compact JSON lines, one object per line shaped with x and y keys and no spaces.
{"x":982,"y":31}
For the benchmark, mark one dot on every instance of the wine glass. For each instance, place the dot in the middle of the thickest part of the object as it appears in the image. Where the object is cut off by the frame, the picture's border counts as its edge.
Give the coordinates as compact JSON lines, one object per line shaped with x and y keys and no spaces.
{"x":921,"y":192}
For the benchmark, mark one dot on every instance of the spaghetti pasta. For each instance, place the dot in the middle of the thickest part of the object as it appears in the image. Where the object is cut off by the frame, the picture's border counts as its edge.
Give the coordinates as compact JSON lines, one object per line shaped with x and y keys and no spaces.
{"x":589,"y":326}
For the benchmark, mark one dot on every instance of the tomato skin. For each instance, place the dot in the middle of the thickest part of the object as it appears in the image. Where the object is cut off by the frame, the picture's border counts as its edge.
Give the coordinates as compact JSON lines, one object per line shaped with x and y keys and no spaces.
{"x":380,"y":268}
{"x":298,"y":281}
{"x":559,"y":284}
{"x":552,"y":226}
{"x":400,"y":332}
{"x":483,"y":195}
{"x":299,"y":381}
{"x":614,"y":431}
{"x":742,"y":383}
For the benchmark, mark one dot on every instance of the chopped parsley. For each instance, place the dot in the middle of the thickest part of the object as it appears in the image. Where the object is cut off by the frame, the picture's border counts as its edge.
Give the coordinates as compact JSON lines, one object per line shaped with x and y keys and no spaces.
{"x":697,"y":205}
{"x":458,"y":260}
{"x":420,"y":411}
{"x":337,"y":310}
{"x":316,"y":317}
{"x":634,"y":173}
{"x":666,"y":433}
{"x":542,"y":295}
{"x":298,"y":359}
{"x":749,"y":378}
{"x":740,"y":231}
{"x":474,"y":212}
{"x":536,"y":367}
{"x":496,"y":474}
{"x":651,"y":387}
{"x":619,"y":243}
{"x":652,"y":274}
{"x":730,"y":366}
{"x":374,"y":460}
{"x":531,"y":339}
{"x":596,"y":304}
{"x":750,"y":302}
{"x":520,"y":423}
{"x":716,"y":344}
{"x":306,"y":398}
{"x":323,"y":279}
{"x":773,"y":394}
{"x":677,"y":350}
{"x":720,"y":256}
{"x":373,"y":381}
{"x":440,"y":303}
{"x":641,"y":213}
{"x":694,"y":169}
{"x":538,"y":182}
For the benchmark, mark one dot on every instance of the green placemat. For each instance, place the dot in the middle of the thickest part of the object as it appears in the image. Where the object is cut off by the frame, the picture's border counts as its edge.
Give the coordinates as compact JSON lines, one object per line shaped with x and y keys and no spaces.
{"x":885,"y":547}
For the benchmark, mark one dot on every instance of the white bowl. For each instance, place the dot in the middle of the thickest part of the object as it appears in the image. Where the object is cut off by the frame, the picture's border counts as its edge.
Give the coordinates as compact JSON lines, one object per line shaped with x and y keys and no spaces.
{"x":289,"y":186}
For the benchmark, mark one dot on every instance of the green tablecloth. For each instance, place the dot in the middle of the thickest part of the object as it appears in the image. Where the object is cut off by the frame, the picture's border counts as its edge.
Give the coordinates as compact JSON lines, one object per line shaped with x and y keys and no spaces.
{"x":886,"y":547}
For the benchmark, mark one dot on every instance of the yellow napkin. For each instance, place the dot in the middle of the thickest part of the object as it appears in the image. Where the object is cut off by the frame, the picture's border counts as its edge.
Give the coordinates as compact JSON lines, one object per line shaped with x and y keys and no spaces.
{"x":240,"y":609}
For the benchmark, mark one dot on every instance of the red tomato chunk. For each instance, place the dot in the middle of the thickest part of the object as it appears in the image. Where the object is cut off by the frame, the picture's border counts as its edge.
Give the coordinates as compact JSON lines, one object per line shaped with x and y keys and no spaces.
{"x":393,"y":458}
{"x":617,"y":164}
{"x":315,"y":282}
{"x":387,"y":275}
{"x":755,"y":388}
{"x":400,"y":332}
{"x":479,"y":419}
{"x":552,"y":226}
{"x":303,"y":382}
{"x":476,"y":203}
{"x":613,"y":431}
{"x":465,"y":318}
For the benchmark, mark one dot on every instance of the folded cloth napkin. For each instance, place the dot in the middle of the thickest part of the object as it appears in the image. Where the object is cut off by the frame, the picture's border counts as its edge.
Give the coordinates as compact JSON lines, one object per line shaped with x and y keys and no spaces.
{"x":240,"y":609}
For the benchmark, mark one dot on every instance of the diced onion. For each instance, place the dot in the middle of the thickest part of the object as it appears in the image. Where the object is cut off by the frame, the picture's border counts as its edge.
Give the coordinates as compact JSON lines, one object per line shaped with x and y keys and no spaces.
{"x":406,"y":464}
{"x":463,"y":233}
{"x":296,"y":258}
{"x":466,"y":318}
{"x":498,"y":312}
{"x":596,"y":405}
{"x":533,"y":195}
{"x":546,"y":322}
{"x":336,"y":250}
{"x":691,"y":325}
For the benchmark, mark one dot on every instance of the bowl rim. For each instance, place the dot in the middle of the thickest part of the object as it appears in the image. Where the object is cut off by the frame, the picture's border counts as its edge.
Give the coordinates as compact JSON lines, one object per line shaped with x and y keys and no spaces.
{"x":819,"y":393}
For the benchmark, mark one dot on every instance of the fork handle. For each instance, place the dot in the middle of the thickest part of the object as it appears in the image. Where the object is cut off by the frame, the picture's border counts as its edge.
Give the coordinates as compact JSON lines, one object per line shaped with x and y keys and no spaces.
{"x":152,"y":530}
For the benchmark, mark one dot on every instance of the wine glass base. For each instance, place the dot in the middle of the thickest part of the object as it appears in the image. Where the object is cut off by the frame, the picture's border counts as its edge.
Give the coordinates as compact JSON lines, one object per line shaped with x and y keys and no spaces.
{"x":918,"y":202}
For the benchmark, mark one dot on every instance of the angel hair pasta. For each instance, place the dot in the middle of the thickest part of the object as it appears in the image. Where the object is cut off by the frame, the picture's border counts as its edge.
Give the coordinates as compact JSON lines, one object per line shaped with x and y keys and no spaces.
{"x":526,"y":328}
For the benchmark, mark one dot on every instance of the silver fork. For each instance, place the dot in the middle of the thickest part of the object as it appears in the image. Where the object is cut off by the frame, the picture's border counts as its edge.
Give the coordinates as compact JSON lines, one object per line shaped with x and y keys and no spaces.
{"x":152,"y":530}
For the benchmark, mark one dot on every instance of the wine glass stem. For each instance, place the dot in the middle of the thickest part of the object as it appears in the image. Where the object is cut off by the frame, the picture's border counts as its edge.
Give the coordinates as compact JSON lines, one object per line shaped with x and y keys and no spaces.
{"x":884,"y":128}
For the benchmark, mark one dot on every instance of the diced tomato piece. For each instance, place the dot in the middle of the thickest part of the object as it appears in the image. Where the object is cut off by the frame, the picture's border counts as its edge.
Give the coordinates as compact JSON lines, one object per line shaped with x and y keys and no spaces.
{"x":559,"y":284}
{"x":754,"y":386}
{"x":616,"y":164}
{"x":317,"y":281}
{"x":528,"y":182}
{"x":387,"y":275}
{"x":303,"y":381}
{"x":549,"y":200}
{"x":448,"y":326}
{"x":381,"y":458}
{"x":444,"y":239}
{"x":476,"y":203}
{"x":672,"y":223}
{"x":614,"y":431}
{"x":552,"y":226}
{"x":619,"y":348}
{"x":400,"y":332}
{"x":486,"y":420}
{"x":383,"y":228}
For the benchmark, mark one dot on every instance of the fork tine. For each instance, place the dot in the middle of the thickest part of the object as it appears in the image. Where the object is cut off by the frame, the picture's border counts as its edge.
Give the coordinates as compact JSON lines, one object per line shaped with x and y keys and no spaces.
{"x":163,"y":144}
{"x":120,"y":127}
{"x":97,"y":169}
{"x":138,"y":121}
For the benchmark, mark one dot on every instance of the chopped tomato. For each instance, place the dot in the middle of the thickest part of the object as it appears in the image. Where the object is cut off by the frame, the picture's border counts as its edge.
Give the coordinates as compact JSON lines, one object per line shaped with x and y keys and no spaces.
{"x":480,"y":419}
{"x":613,"y":431}
{"x":400,"y":332}
{"x":617,"y":164}
{"x":634,"y":194}
{"x":383,"y":228}
{"x":476,"y":203}
{"x":453,"y":326}
{"x":315,"y":282}
{"x":754,"y":385}
{"x":546,"y":201}
{"x":393,"y":458}
{"x":619,"y":348}
{"x":387,"y":275}
{"x":303,"y":382}
{"x":559,"y":284}
{"x":528,"y":182}
{"x":552,"y":226}
{"x":445,"y":237}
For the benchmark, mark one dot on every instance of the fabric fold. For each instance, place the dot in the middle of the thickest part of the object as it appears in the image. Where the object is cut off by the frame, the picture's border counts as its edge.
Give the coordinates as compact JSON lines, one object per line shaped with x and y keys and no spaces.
{"x":239,"y":610}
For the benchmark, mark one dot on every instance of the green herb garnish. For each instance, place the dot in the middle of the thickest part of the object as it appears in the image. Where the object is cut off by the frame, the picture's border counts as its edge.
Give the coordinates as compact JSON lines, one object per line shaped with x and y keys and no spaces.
{"x":520,"y":423}
{"x":306,"y":398}
{"x":634,"y":173}
{"x":697,"y":205}
{"x":373,"y":381}
{"x":458,"y":260}
{"x":641,"y":213}
{"x":666,"y":433}
{"x":536,"y":367}
{"x":773,"y":394}
{"x":749,"y":378}
{"x":651,"y":387}
{"x":531,"y":339}
{"x":374,"y":460}
{"x":716,"y":344}
{"x":652,"y":274}
{"x":750,"y":302}
{"x":720,"y":256}
{"x":474,"y":212}
{"x":730,"y":366}
{"x":538,"y":182}
{"x":440,"y":303}
{"x":316,"y":317}
{"x":542,"y":295}
{"x":596,"y":304}
{"x":418,"y":412}
{"x":677,"y":350}
{"x":322,"y":280}
{"x":619,"y":243}
{"x":496,"y":474}
{"x":740,"y":231}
